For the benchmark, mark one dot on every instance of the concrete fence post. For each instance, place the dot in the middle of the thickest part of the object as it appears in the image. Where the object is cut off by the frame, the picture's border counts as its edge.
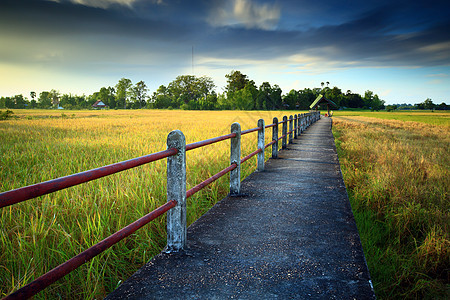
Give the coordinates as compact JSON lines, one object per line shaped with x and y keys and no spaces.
{"x":284,"y":133}
{"x":235,"y":158}
{"x":301,"y":123}
{"x":261,"y":144}
{"x":176,"y":190}
{"x":275,"y":138}
{"x":295,"y":127}
{"x":302,"y":127}
{"x":291,"y":121}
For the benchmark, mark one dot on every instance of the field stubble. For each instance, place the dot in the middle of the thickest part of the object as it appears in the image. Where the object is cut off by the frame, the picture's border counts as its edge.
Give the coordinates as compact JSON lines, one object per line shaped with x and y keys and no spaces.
{"x":398,"y":179}
{"x":39,"y":234}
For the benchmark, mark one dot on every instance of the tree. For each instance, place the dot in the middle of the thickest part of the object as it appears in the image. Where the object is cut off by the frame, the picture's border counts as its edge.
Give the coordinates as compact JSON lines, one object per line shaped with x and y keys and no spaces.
{"x":33,"y":103}
{"x":161,"y":98}
{"x":306,"y":97}
{"x":235,"y":81}
{"x":186,"y":88}
{"x":54,"y":96}
{"x":243,"y":99}
{"x":428,"y":104}
{"x":122,"y":92}
{"x":354,"y":100}
{"x":377,"y":103}
{"x":139,"y":93}
{"x":264,"y":101}
{"x":291,"y":99}
{"x":335,"y":95}
{"x":32,"y":95}
{"x":107,"y":96}
{"x":19,"y":101}
{"x":368,"y":97}
{"x":45,"y":100}
{"x":442,"y":106}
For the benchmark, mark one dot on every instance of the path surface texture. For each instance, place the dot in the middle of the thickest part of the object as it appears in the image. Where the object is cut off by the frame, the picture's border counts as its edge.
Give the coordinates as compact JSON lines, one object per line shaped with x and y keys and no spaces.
{"x":291,"y":235}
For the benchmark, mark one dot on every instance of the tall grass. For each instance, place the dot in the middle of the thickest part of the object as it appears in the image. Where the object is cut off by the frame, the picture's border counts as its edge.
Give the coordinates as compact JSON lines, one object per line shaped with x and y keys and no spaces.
{"x":398,"y":179}
{"x":39,"y":234}
{"x":441,"y":117}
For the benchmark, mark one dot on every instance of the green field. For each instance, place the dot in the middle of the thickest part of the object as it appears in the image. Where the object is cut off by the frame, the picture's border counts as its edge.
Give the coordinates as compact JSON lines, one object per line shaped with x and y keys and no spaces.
{"x":398,"y":180}
{"x":428,"y":117}
{"x":396,"y":172}
{"x":39,"y":145}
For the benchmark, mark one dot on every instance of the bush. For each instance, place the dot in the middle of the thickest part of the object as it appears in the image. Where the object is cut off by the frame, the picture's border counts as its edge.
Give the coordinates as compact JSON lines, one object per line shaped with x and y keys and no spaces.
{"x":6,"y":115}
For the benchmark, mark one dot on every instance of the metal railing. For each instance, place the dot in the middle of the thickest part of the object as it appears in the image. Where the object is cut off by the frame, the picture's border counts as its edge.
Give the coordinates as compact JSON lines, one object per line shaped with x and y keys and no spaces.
{"x":176,"y":188}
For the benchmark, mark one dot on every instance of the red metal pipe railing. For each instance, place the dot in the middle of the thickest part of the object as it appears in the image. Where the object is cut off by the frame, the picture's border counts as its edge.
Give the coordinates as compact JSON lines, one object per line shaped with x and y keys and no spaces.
{"x":250,"y":130}
{"x":47,"y":187}
{"x":63,"y":269}
{"x":209,"y":141}
{"x":250,"y":155}
{"x":211,"y":179}
{"x":32,"y":191}
{"x":270,"y":144}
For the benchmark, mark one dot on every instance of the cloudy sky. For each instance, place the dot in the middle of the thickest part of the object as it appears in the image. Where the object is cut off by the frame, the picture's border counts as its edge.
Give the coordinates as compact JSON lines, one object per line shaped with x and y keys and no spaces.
{"x":398,"y":49}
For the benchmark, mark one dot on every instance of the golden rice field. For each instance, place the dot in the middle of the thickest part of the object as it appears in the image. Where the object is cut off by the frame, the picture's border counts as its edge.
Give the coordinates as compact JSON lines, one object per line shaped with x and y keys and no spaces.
{"x":39,"y":145}
{"x":397,"y":173}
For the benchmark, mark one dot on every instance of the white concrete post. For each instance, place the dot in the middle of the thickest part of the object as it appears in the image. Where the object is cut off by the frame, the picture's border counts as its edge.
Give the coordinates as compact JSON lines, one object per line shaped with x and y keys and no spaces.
{"x":235,"y":158}
{"x":283,"y":133}
{"x":295,"y":126}
{"x":291,"y":121}
{"x":261,"y":144}
{"x":302,"y":123}
{"x":275,"y":138}
{"x":176,"y":190}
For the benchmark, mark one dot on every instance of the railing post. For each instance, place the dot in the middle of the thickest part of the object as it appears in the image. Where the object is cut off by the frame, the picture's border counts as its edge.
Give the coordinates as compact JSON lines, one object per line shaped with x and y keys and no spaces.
{"x":261,"y":144}
{"x":275,"y":138}
{"x":283,"y":133}
{"x":235,"y":158}
{"x":176,"y":190}
{"x":302,"y":120}
{"x":295,"y":126}
{"x":290,"y":129}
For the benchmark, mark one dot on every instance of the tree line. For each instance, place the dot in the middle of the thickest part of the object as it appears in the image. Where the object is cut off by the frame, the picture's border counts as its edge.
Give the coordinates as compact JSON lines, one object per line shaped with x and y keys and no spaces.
{"x":198,"y":93}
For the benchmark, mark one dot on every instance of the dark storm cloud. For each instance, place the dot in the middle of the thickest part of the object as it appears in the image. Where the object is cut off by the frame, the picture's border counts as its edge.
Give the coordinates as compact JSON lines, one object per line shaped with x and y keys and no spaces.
{"x":371,"y":32}
{"x":380,"y":36}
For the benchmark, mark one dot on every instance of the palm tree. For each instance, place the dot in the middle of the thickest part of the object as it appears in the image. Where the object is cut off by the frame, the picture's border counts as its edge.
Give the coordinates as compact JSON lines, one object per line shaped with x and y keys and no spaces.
{"x":328,"y":83}
{"x":322,"y":84}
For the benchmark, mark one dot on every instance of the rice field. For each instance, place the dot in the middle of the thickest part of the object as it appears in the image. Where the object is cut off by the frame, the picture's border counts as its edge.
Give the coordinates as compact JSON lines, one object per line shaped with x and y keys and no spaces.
{"x":395,"y":166}
{"x":39,"y":145}
{"x":396,"y":169}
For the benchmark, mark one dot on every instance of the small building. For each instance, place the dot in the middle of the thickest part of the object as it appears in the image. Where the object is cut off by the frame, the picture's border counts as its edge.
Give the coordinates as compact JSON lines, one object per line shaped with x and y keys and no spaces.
{"x":322,"y":100}
{"x":99,"y":104}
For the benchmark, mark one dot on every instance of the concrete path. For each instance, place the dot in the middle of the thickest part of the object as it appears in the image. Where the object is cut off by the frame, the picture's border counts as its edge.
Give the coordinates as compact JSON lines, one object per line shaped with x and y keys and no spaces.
{"x":291,"y":235}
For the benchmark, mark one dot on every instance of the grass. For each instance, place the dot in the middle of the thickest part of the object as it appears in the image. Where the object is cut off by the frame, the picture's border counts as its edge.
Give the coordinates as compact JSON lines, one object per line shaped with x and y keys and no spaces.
{"x":398,"y":179}
{"x":441,"y":118}
{"x":39,"y":145}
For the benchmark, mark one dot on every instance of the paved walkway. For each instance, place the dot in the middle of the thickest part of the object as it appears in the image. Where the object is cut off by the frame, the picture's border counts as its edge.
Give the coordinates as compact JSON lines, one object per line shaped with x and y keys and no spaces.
{"x":291,"y":235}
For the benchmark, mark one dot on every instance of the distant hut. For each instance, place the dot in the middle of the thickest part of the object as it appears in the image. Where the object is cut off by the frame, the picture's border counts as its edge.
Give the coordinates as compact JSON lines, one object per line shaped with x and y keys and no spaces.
{"x":322,"y":100}
{"x":99,"y":104}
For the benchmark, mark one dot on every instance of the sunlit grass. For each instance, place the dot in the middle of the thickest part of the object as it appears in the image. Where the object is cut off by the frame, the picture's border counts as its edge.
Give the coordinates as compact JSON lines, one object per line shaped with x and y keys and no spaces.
{"x":398,"y":179}
{"x":429,"y":117}
{"x":39,"y":145}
